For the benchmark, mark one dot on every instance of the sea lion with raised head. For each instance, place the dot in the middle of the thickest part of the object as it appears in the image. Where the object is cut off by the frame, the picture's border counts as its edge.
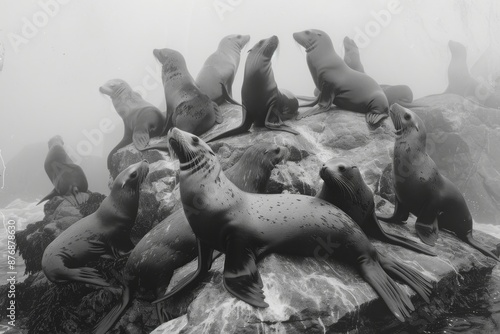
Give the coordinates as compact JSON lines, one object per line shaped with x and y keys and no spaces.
{"x":422,"y":190}
{"x":338,"y":83}
{"x":172,"y":244}
{"x":345,"y":188}
{"x":220,"y":68}
{"x":68,"y":178}
{"x":187,"y":107}
{"x":246,"y":227}
{"x":261,"y":99}
{"x":141,"y":119}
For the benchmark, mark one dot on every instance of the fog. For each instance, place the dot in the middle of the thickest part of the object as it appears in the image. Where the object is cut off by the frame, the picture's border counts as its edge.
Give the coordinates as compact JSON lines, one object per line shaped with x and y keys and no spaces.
{"x":58,"y":53}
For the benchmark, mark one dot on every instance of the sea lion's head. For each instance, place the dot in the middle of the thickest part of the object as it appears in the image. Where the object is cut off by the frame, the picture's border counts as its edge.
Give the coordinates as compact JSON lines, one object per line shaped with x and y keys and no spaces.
{"x":114,"y":87}
{"x":264,"y":49}
{"x":342,"y":177}
{"x":311,"y":38}
{"x":238,"y":41}
{"x":406,"y":122}
{"x":170,"y":59}
{"x":193,"y":153}
{"x":457,"y":48}
{"x":56,"y":140}
{"x":125,"y":189}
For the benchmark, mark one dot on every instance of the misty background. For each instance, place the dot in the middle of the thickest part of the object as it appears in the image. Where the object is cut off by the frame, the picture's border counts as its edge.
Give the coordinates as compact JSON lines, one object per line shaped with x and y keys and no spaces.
{"x":57,"y":53}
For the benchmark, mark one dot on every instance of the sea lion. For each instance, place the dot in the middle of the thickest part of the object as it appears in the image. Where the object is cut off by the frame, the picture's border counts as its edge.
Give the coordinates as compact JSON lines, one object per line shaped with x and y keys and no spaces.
{"x":338,"y":83}
{"x":460,"y":81}
{"x":171,"y":244}
{"x":141,"y":119}
{"x":106,"y":231}
{"x":420,"y":188}
{"x":246,"y":227}
{"x":345,"y":188}
{"x":401,"y":94}
{"x":67,"y":177}
{"x":260,"y":95}
{"x":187,"y":107}
{"x":220,"y":67}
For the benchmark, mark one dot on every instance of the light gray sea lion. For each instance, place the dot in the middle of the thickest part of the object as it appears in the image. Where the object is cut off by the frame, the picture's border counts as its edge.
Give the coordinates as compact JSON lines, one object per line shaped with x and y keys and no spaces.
{"x":420,"y":188}
{"x":345,"y":188}
{"x":338,"y":83}
{"x":68,"y":179}
{"x":220,"y":67}
{"x":246,"y":227}
{"x":187,"y":107}
{"x":141,"y":119}
{"x":261,"y":98}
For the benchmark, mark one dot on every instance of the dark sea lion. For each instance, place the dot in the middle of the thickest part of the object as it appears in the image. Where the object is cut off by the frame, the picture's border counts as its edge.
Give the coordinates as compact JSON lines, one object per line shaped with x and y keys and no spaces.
{"x":246,"y":227}
{"x":261,"y":98}
{"x":171,"y":244}
{"x":105,"y":232}
{"x":345,"y":188}
{"x":141,"y":119}
{"x":420,"y":188}
{"x":68,"y":179}
{"x":220,"y":67}
{"x":338,"y":83}
{"x":187,"y":107}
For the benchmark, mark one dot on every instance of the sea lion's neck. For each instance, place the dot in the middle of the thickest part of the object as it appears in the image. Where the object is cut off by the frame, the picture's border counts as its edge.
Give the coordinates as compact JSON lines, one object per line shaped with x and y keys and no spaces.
{"x":410,"y":147}
{"x":326,"y":194}
{"x":120,"y":209}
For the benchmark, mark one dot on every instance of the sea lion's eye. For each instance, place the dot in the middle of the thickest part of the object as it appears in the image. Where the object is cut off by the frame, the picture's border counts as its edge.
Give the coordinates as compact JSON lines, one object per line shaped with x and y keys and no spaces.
{"x":133,"y":175}
{"x":239,"y":36}
{"x":277,"y":150}
{"x":196,"y":140}
{"x":341,"y":168}
{"x":307,"y":32}
{"x":407,"y":117}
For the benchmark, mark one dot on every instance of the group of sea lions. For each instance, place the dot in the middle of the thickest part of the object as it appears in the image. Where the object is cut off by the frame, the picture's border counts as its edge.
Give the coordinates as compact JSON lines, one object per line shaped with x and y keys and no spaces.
{"x":227,"y":211}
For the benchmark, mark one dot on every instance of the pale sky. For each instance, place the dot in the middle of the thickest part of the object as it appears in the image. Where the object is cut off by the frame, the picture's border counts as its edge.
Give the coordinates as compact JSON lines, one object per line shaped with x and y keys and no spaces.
{"x":51,"y":74}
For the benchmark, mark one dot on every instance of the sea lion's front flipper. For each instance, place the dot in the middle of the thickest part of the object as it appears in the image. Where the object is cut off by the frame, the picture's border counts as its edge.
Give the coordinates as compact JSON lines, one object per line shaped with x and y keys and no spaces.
{"x":399,"y":216}
{"x":427,"y":225}
{"x":227,"y":95}
{"x":324,"y":102}
{"x":374,"y":119}
{"x":421,"y":284}
{"x":241,"y":277}
{"x":127,"y":139}
{"x":245,"y":125}
{"x":205,"y":255}
{"x":51,"y":195}
{"x":141,"y":137}
{"x":162,"y":314}
{"x":479,"y":246}
{"x":280,"y":126}
{"x":375,"y":230}
{"x":87,"y":275}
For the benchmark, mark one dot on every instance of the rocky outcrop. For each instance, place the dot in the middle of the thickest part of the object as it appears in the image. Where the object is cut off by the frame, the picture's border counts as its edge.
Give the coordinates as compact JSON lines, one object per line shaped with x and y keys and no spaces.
{"x":305,"y":294}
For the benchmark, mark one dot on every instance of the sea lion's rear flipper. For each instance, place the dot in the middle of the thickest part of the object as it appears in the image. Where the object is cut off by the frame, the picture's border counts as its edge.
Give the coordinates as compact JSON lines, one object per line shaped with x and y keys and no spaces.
{"x":396,"y":300}
{"x":241,"y":277}
{"x":127,"y":139}
{"x":421,"y":284}
{"x":80,"y":197}
{"x":141,"y":137}
{"x":280,"y":126}
{"x":399,"y":216}
{"x":245,"y":125}
{"x":88,"y":275}
{"x":205,"y":255}
{"x":374,"y":229}
{"x":479,"y":246}
{"x":163,"y":315}
{"x":51,"y":195}
{"x":109,"y":320}
{"x":218,"y":114}
{"x":324,"y":102}
{"x":226,"y":94}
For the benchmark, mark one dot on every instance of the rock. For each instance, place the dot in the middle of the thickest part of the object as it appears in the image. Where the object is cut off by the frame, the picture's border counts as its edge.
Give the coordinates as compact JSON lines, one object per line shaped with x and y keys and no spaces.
{"x":461,"y":139}
{"x":307,"y":295}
